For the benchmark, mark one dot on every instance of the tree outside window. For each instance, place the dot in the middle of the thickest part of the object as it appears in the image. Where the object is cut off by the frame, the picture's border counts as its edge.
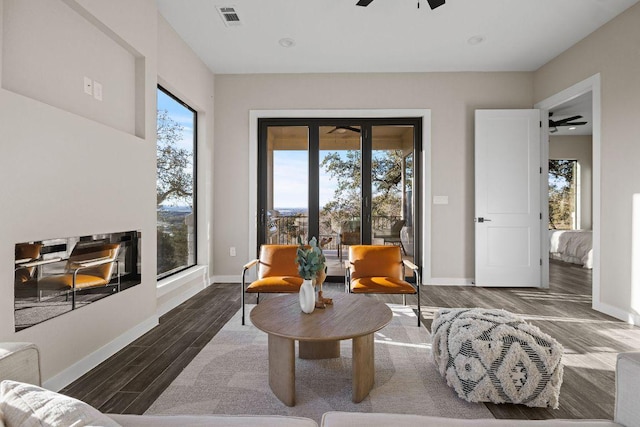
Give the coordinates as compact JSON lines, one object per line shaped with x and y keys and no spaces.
{"x":562,"y":194}
{"x":175,"y":185}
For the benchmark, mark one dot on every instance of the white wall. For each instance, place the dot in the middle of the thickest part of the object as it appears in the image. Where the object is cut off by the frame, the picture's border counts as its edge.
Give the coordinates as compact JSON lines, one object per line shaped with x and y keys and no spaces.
{"x":67,"y":173}
{"x":613,"y":52}
{"x":578,"y":148}
{"x":452,"y":98}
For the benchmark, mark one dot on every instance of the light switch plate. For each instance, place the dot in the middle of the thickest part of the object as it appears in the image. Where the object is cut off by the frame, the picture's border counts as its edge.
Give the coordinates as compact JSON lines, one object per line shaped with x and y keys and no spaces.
{"x":97,"y":90}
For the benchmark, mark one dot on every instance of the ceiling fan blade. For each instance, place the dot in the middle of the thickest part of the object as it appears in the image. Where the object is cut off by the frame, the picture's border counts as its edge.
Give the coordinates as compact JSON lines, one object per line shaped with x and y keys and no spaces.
{"x":575,"y":124}
{"x":352,"y":129}
{"x":568,"y":119}
{"x":364,"y":3}
{"x":435,"y":3}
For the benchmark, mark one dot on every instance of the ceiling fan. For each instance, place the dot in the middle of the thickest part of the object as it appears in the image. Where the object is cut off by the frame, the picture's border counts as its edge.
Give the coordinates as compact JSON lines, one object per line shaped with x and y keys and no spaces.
{"x":432,"y":3}
{"x":569,"y":121}
{"x":342,"y":129}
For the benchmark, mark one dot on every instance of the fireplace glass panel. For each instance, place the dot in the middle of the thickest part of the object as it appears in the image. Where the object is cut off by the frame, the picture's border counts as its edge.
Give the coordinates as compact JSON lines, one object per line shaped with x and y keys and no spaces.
{"x":55,"y":276}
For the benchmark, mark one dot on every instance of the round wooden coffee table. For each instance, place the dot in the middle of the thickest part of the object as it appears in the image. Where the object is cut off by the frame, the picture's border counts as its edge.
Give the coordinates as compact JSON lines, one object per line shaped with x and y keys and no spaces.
{"x":354,"y":317}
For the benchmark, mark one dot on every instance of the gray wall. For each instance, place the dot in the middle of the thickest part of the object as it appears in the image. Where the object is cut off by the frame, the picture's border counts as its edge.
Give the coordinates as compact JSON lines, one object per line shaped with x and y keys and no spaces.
{"x":613,"y":52}
{"x":452,"y":98}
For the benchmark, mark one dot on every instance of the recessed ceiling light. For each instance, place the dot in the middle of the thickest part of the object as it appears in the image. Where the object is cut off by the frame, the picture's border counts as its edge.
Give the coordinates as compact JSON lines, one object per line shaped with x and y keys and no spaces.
{"x":287,"y":42}
{"x":572,"y":128}
{"x":475,"y":40}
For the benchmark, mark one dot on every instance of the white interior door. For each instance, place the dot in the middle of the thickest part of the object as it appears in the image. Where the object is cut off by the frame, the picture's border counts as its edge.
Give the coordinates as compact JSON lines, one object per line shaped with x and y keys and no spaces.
{"x":507,"y":204}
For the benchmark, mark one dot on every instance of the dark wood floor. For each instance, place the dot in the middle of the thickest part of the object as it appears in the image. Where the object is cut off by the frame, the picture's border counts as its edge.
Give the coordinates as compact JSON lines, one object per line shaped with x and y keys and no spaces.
{"x":132,"y":379}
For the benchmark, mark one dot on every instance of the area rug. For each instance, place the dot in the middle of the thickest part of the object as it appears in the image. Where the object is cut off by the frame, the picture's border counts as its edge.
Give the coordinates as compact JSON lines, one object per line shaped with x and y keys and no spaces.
{"x":230,"y":376}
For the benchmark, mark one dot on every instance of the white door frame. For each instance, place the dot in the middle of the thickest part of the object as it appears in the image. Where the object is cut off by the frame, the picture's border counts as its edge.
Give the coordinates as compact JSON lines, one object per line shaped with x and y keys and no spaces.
{"x":424,"y":114}
{"x":591,"y":84}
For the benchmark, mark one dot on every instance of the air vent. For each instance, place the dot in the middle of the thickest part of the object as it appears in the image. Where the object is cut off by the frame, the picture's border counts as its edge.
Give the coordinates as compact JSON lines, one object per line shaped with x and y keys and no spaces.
{"x":229,"y":16}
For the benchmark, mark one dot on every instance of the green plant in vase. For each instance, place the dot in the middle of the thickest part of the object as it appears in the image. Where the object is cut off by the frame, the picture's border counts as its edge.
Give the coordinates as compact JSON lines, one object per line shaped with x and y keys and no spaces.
{"x":311,"y":267}
{"x":310,"y":259}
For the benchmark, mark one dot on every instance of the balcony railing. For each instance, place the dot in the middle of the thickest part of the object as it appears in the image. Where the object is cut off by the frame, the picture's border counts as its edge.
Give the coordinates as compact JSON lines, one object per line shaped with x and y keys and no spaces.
{"x":284,"y":230}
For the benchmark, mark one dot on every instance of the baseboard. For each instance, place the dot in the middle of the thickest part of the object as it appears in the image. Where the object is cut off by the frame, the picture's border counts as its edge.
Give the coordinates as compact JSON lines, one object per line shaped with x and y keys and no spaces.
{"x":448,"y":281}
{"x":225,"y":279}
{"x":81,"y":367}
{"x":618,"y":313}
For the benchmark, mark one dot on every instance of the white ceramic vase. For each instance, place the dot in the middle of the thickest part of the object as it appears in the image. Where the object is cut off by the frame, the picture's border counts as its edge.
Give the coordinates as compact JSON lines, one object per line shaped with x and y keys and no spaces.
{"x":307,"y":296}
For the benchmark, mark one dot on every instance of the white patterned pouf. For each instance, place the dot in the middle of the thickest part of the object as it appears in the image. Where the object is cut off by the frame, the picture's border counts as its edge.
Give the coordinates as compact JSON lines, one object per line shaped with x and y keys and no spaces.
{"x":495,"y":356}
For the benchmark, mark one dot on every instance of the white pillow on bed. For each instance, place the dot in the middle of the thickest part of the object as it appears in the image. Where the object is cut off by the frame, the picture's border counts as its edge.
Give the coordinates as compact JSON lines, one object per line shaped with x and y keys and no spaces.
{"x":26,"y":405}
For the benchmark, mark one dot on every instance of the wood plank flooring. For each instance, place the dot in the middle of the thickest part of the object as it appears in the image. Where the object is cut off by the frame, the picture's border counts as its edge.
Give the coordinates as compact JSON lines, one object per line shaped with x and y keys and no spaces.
{"x":131,"y":380}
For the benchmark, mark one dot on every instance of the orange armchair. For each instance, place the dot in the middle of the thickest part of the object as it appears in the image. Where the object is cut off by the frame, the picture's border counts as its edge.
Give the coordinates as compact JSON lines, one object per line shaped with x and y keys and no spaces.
{"x":375,"y":269}
{"x":88,"y":266}
{"x":277,"y":272}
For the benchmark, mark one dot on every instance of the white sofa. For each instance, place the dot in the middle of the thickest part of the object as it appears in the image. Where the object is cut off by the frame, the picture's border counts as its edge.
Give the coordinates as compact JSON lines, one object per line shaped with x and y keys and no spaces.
{"x":20,"y":362}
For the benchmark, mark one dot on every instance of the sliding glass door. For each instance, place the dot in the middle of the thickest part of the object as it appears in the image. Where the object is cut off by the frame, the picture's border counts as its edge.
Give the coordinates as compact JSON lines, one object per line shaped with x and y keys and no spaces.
{"x":340,"y":191}
{"x":284,"y":187}
{"x":345,"y":182}
{"x":392,"y":181}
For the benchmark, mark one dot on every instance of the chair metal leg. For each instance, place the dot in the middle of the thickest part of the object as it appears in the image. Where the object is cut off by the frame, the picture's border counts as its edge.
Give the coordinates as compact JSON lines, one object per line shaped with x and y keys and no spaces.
{"x":118,"y":273}
{"x":242,"y":301}
{"x":418,"y":292}
{"x":244,"y":271}
{"x":73,"y":291}
{"x":404,"y":299}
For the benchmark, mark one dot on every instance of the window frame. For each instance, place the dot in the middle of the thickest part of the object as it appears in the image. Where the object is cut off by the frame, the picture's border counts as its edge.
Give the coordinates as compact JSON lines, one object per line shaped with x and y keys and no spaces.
{"x":194,"y":211}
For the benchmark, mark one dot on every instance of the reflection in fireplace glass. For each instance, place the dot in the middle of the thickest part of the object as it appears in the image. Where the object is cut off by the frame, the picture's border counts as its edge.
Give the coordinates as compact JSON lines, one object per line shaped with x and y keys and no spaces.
{"x":54,"y":276}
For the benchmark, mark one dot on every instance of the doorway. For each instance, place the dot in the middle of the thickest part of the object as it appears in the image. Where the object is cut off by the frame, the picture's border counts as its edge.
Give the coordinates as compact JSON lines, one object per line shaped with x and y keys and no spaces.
{"x":570,"y":185}
{"x":344,"y":181}
{"x":581,"y":99}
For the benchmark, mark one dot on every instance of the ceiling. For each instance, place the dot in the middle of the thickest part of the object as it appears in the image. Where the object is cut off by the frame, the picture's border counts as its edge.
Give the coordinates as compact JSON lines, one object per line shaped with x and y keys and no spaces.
{"x":332,"y":36}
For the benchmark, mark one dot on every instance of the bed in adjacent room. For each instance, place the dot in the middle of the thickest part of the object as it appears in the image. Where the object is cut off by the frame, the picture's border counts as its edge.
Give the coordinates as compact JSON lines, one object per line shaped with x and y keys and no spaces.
{"x":574,"y":246}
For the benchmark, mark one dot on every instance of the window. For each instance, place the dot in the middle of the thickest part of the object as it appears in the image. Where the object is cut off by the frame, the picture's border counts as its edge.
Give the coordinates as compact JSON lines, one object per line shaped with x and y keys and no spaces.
{"x":563,"y":194}
{"x":175,"y":185}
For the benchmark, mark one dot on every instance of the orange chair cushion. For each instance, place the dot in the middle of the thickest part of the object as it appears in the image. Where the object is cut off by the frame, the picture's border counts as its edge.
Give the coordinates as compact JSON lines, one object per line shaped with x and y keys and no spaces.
{"x":99,"y":275}
{"x":280,"y":284}
{"x":63,"y":281}
{"x":381,"y":285}
{"x":278,"y":260}
{"x":102,"y":251}
{"x":375,"y":261}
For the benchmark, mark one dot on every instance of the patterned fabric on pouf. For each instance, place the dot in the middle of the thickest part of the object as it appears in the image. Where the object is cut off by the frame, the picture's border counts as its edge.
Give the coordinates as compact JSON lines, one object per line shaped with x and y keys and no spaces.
{"x":495,"y":356}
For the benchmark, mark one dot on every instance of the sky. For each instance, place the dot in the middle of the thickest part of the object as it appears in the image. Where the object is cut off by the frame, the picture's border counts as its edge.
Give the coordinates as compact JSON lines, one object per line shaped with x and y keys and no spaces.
{"x":291,"y":183}
{"x":181,"y":115}
{"x":185,"y":118}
